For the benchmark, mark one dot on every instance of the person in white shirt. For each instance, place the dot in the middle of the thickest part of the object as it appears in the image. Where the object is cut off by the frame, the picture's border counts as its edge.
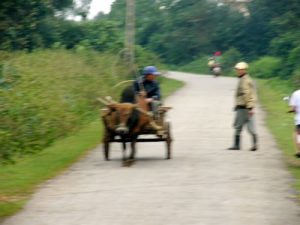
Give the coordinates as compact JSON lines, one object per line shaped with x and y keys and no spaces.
{"x":295,"y":107}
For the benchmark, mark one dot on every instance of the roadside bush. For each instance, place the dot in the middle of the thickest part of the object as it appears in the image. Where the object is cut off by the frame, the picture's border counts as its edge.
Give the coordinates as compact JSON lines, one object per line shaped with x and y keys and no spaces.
{"x":46,"y":95}
{"x":145,"y":57}
{"x":294,"y":57}
{"x":199,"y":65}
{"x":266,"y":67}
{"x":229,"y":59}
{"x":296,"y":79}
{"x":284,"y":43}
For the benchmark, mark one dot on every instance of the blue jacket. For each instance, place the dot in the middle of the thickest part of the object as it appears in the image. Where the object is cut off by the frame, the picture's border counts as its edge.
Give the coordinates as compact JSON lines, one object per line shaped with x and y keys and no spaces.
{"x":151,"y":87}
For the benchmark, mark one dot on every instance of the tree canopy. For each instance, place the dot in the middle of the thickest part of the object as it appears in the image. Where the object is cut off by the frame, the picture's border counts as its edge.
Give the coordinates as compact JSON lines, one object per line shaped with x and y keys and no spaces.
{"x":177,"y":31}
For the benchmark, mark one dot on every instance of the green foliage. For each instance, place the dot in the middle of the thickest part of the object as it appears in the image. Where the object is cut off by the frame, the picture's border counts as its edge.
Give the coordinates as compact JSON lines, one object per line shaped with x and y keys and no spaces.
{"x":180,"y":31}
{"x":99,"y":35}
{"x":9,"y":207}
{"x":71,"y":33}
{"x":102,"y":35}
{"x":228,"y":30}
{"x":197,"y":66}
{"x":296,"y":78}
{"x":294,"y":57}
{"x":145,"y":57}
{"x":265,"y":67}
{"x":30,"y":24}
{"x":23,"y":23}
{"x":229,"y":59}
{"x":48,"y":94}
{"x":283,"y":44}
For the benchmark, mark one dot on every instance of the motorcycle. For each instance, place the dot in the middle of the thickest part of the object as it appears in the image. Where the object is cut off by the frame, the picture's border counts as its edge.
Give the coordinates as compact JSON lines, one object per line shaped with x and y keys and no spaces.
{"x":217,"y":70}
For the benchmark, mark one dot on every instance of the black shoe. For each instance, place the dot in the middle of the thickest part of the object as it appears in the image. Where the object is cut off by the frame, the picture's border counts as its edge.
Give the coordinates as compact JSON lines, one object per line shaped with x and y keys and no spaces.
{"x":233,"y":148}
{"x":236,"y":144}
{"x":297,"y":155}
{"x":254,"y":148}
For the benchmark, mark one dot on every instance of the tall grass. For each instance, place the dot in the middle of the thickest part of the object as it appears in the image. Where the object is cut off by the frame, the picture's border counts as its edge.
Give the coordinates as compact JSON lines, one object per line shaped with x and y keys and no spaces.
{"x":48,"y":94}
{"x":280,"y":123}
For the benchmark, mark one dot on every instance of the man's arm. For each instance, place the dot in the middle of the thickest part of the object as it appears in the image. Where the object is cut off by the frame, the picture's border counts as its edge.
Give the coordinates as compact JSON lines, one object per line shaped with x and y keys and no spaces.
{"x":292,"y":109}
{"x":138,"y":88}
{"x":249,"y":96}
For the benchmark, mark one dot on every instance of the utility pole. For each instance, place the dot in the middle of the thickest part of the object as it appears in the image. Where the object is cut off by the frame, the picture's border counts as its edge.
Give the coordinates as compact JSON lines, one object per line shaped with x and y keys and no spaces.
{"x":129,"y":34}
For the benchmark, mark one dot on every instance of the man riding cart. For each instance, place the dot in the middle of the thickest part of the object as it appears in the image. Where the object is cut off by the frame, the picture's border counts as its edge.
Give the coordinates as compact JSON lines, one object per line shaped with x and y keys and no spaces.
{"x":147,"y":90}
{"x":139,"y":112}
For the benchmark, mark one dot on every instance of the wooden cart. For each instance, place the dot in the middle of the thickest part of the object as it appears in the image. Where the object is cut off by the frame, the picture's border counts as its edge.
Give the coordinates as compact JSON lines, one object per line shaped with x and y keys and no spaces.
{"x":148,"y":134}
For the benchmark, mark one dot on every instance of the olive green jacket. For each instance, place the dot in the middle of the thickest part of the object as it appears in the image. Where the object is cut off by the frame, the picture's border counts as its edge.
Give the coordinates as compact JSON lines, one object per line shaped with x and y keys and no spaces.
{"x":245,"y":93}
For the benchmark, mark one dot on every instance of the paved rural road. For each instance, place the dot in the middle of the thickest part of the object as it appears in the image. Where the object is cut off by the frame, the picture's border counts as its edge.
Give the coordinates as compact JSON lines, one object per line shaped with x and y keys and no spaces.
{"x":202,"y":185}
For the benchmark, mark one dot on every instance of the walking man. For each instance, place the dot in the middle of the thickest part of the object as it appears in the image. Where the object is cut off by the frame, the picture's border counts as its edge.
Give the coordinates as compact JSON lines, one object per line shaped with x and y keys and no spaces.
{"x":244,"y":106}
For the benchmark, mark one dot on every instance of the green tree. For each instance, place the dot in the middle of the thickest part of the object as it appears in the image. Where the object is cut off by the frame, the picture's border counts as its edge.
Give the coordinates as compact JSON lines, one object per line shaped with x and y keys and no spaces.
{"x":21,"y":21}
{"x":229,"y":59}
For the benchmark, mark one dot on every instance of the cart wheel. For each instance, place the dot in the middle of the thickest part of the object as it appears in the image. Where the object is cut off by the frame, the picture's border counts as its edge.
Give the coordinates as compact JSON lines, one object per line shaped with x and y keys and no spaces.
{"x":168,"y":140}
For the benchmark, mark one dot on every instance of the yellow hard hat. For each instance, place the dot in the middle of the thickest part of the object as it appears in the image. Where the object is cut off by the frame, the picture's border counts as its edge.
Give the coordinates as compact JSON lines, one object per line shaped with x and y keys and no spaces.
{"x":241,"y":66}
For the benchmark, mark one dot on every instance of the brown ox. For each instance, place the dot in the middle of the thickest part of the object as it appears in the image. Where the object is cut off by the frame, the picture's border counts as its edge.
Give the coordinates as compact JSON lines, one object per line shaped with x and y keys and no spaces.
{"x":125,"y":120}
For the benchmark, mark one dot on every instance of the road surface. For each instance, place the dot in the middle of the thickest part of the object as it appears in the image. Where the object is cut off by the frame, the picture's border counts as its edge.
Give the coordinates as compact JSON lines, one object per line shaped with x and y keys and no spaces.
{"x":203,"y":184}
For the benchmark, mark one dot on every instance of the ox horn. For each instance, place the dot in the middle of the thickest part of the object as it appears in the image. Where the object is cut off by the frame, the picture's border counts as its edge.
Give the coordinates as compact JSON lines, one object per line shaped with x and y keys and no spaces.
{"x":107,"y":100}
{"x":103,"y":101}
{"x":110,"y":100}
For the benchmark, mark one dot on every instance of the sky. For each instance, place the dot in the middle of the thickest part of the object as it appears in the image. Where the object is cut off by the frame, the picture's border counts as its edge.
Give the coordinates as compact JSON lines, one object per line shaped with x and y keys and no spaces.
{"x":99,"y":5}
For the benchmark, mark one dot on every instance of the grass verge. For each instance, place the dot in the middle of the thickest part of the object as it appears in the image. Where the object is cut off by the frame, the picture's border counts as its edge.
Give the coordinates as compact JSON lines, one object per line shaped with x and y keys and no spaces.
{"x":19,"y":180}
{"x":168,"y":86}
{"x":280,"y":123}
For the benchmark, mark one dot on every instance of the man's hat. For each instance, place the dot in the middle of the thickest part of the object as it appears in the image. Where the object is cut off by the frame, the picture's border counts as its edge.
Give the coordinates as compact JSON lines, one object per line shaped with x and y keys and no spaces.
{"x":241,"y":66}
{"x":150,"y":70}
